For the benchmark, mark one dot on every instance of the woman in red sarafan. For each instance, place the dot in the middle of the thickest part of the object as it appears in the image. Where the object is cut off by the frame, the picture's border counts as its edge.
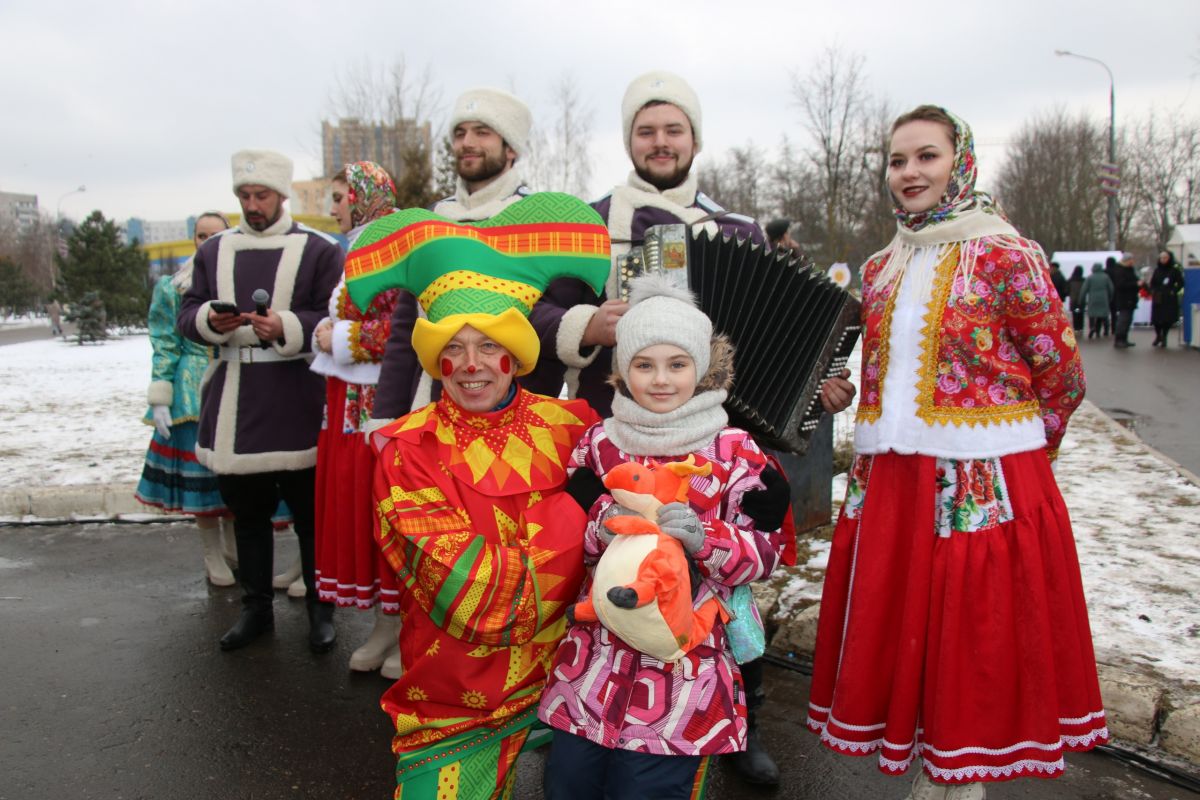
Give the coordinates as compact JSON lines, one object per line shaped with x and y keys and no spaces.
{"x":953,"y":626}
{"x":349,"y":347}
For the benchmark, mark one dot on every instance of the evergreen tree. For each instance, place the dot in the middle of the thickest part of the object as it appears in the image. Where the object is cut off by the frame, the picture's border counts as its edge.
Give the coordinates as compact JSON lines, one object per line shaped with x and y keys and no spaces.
{"x":97,"y":261}
{"x":16,"y":292}
{"x":89,"y":317}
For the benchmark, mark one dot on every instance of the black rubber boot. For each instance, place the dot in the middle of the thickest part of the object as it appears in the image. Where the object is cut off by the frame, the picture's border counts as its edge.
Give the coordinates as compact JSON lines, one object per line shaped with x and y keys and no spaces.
{"x":321,"y":633}
{"x":755,"y":764}
{"x":250,"y":625}
{"x":255,"y":557}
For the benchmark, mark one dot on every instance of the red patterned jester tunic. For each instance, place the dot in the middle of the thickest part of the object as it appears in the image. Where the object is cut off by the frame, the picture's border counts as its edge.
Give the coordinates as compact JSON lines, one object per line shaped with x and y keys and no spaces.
{"x":488,"y":552}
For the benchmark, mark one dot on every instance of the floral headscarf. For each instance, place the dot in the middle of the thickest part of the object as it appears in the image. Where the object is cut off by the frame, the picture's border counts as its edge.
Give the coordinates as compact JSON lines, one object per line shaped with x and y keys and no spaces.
{"x":960,"y":193}
{"x":372,"y":192}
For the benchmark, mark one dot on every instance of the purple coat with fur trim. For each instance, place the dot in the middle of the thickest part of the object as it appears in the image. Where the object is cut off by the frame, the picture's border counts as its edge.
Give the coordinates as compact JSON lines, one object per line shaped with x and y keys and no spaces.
{"x":567,"y":293}
{"x":261,"y":416}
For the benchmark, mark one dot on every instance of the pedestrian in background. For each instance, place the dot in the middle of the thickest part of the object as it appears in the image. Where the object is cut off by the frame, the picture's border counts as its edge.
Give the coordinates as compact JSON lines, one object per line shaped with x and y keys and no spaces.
{"x":1126,"y":286}
{"x":54,"y":311}
{"x":1060,"y":283}
{"x":1165,"y":285}
{"x":1097,"y":300}
{"x":1075,"y":293}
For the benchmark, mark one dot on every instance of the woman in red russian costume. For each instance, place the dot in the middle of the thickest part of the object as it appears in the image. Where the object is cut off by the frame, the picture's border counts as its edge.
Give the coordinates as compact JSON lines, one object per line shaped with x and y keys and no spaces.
{"x":349,"y":347}
{"x":953,"y":626}
{"x":486,"y":546}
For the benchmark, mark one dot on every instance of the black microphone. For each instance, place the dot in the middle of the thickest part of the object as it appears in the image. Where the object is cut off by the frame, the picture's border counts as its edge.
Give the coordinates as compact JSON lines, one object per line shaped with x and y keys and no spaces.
{"x":261,"y":298}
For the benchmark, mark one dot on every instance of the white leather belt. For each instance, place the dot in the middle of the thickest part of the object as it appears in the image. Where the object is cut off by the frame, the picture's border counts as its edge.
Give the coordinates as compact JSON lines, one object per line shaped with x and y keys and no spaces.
{"x":252,"y":354}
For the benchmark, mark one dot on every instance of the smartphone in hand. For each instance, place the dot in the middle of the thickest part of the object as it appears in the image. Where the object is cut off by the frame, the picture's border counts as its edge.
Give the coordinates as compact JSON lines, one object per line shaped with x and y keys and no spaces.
{"x":223,"y":307}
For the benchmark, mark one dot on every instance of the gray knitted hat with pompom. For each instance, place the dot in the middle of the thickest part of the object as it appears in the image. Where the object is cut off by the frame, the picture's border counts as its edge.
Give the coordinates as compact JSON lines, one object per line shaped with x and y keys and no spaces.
{"x":660,"y":313}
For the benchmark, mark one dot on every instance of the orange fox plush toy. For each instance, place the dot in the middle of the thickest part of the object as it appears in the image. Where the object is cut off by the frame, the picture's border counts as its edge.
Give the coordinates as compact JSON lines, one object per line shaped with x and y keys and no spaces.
{"x":641,"y":590}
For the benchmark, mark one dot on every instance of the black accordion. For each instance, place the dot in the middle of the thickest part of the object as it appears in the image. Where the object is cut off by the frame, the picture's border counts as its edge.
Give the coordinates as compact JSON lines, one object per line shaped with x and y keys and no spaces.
{"x":791,"y":326}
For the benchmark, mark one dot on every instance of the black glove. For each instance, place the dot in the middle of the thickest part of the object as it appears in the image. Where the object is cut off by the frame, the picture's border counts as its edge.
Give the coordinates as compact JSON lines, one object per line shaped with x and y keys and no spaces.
{"x":768,"y":506}
{"x":584,"y":488}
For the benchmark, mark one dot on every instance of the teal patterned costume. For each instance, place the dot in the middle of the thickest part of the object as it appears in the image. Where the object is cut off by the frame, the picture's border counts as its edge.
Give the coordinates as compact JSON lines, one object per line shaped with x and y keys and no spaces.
{"x":172,"y":478}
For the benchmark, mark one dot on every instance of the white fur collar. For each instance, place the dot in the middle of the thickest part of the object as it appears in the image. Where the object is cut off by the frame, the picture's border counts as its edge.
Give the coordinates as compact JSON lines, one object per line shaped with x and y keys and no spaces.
{"x":484,"y":202}
{"x":282,"y":225}
{"x":636,"y":193}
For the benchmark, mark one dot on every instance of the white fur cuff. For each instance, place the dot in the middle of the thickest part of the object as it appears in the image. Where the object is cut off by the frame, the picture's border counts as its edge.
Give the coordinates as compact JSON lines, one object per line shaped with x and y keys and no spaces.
{"x":160,"y":393}
{"x":206,"y":331}
{"x":339,"y":341}
{"x":570,"y":336}
{"x":293,"y":335}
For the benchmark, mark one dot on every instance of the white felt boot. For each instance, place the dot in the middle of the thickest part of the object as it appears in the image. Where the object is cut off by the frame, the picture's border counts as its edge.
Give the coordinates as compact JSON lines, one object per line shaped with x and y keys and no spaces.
{"x":925,"y":789}
{"x":229,"y":542}
{"x":379,"y":644}
{"x":214,"y":560}
{"x":286,"y":578}
{"x":392,"y":668}
{"x":966,"y":791}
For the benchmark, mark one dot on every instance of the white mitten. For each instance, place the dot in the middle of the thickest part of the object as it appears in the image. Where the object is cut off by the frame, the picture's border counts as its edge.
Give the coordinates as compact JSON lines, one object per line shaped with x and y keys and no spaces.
{"x":162,"y":420}
{"x":678,"y":521}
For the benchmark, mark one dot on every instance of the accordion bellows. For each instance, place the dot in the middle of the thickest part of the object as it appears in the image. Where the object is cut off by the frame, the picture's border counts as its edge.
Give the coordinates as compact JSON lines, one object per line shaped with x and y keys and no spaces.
{"x":791,"y":326}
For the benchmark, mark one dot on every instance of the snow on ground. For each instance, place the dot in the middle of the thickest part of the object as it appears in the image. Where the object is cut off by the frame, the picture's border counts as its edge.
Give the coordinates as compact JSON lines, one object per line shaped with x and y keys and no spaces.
{"x":72,"y":415}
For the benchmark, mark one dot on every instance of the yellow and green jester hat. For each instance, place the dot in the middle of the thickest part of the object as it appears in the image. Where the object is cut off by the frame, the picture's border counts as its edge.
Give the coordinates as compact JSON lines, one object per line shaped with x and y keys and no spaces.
{"x":487,"y":274}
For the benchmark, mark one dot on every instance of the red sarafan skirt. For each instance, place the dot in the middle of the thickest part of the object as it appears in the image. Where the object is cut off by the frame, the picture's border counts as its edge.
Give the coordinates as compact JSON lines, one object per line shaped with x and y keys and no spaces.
{"x":351,"y":570}
{"x":953,"y":626}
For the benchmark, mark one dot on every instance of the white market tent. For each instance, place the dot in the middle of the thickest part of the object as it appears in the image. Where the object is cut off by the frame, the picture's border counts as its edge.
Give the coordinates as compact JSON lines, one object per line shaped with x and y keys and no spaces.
{"x":1184,"y":242}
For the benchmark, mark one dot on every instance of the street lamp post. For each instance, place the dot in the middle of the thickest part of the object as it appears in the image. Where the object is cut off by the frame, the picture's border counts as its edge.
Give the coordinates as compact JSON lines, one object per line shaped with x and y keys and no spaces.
{"x":58,"y":210}
{"x":1112,"y":142}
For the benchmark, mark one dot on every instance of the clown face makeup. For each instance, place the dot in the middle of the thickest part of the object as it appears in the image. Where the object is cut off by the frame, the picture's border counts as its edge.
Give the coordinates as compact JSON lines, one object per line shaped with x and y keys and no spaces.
{"x":476,"y":371}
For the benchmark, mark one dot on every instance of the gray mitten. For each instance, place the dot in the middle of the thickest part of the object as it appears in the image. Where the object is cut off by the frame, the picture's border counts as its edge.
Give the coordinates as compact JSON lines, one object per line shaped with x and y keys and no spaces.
{"x":614,"y":510}
{"x":678,"y":521}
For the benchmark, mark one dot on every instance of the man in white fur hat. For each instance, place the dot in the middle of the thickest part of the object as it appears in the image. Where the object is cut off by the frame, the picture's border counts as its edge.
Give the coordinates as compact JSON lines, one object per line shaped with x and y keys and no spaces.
{"x":662,"y":128}
{"x":489,"y":135}
{"x":260,"y":405}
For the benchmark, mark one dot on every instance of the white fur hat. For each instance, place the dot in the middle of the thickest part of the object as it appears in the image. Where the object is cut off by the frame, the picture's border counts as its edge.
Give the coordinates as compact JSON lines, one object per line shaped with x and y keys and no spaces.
{"x":263,"y":168}
{"x":500,"y":111}
{"x":666,"y":87}
{"x":660,"y":313}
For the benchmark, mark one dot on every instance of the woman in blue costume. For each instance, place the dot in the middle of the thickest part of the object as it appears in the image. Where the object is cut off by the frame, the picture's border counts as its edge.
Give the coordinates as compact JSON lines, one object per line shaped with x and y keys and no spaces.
{"x":172,"y":479}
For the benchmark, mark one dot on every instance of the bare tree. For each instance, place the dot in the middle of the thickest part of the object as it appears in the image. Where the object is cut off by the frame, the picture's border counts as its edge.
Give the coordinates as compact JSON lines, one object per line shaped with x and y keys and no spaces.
{"x":560,"y":158}
{"x":844,"y":156}
{"x":1167,"y":153}
{"x":1049,"y":185}
{"x":381,"y":93}
{"x":739,"y":181}
{"x":397,"y":101}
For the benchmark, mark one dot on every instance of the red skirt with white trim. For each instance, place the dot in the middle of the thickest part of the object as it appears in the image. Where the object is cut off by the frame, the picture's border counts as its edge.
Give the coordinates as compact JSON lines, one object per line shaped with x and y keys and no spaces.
{"x":953,"y":626}
{"x":351,"y":570}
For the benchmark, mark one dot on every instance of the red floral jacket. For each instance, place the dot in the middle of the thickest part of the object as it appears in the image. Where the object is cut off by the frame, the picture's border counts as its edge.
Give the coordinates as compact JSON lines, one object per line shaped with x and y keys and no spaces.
{"x":998,"y":350}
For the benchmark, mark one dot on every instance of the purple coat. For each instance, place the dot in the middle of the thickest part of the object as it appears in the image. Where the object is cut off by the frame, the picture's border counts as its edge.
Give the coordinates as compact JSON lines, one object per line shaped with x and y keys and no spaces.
{"x":260,"y":408}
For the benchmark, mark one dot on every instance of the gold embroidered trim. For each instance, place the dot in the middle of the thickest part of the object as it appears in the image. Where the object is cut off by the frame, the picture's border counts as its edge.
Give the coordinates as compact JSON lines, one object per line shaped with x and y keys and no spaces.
{"x":871,"y":413}
{"x":930,"y":335}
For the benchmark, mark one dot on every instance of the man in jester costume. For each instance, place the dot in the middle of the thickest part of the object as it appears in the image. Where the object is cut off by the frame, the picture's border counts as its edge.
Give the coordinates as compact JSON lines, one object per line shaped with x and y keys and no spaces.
{"x":487,"y":547}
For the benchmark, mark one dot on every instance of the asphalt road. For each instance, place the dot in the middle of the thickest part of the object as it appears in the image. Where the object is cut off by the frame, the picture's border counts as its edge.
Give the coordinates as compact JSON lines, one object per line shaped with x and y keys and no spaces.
{"x":1157,"y":391}
{"x":112,"y":686}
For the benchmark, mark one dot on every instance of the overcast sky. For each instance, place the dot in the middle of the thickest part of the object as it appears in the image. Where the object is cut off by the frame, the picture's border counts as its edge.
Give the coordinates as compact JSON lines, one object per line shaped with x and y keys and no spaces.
{"x":143,"y":102}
